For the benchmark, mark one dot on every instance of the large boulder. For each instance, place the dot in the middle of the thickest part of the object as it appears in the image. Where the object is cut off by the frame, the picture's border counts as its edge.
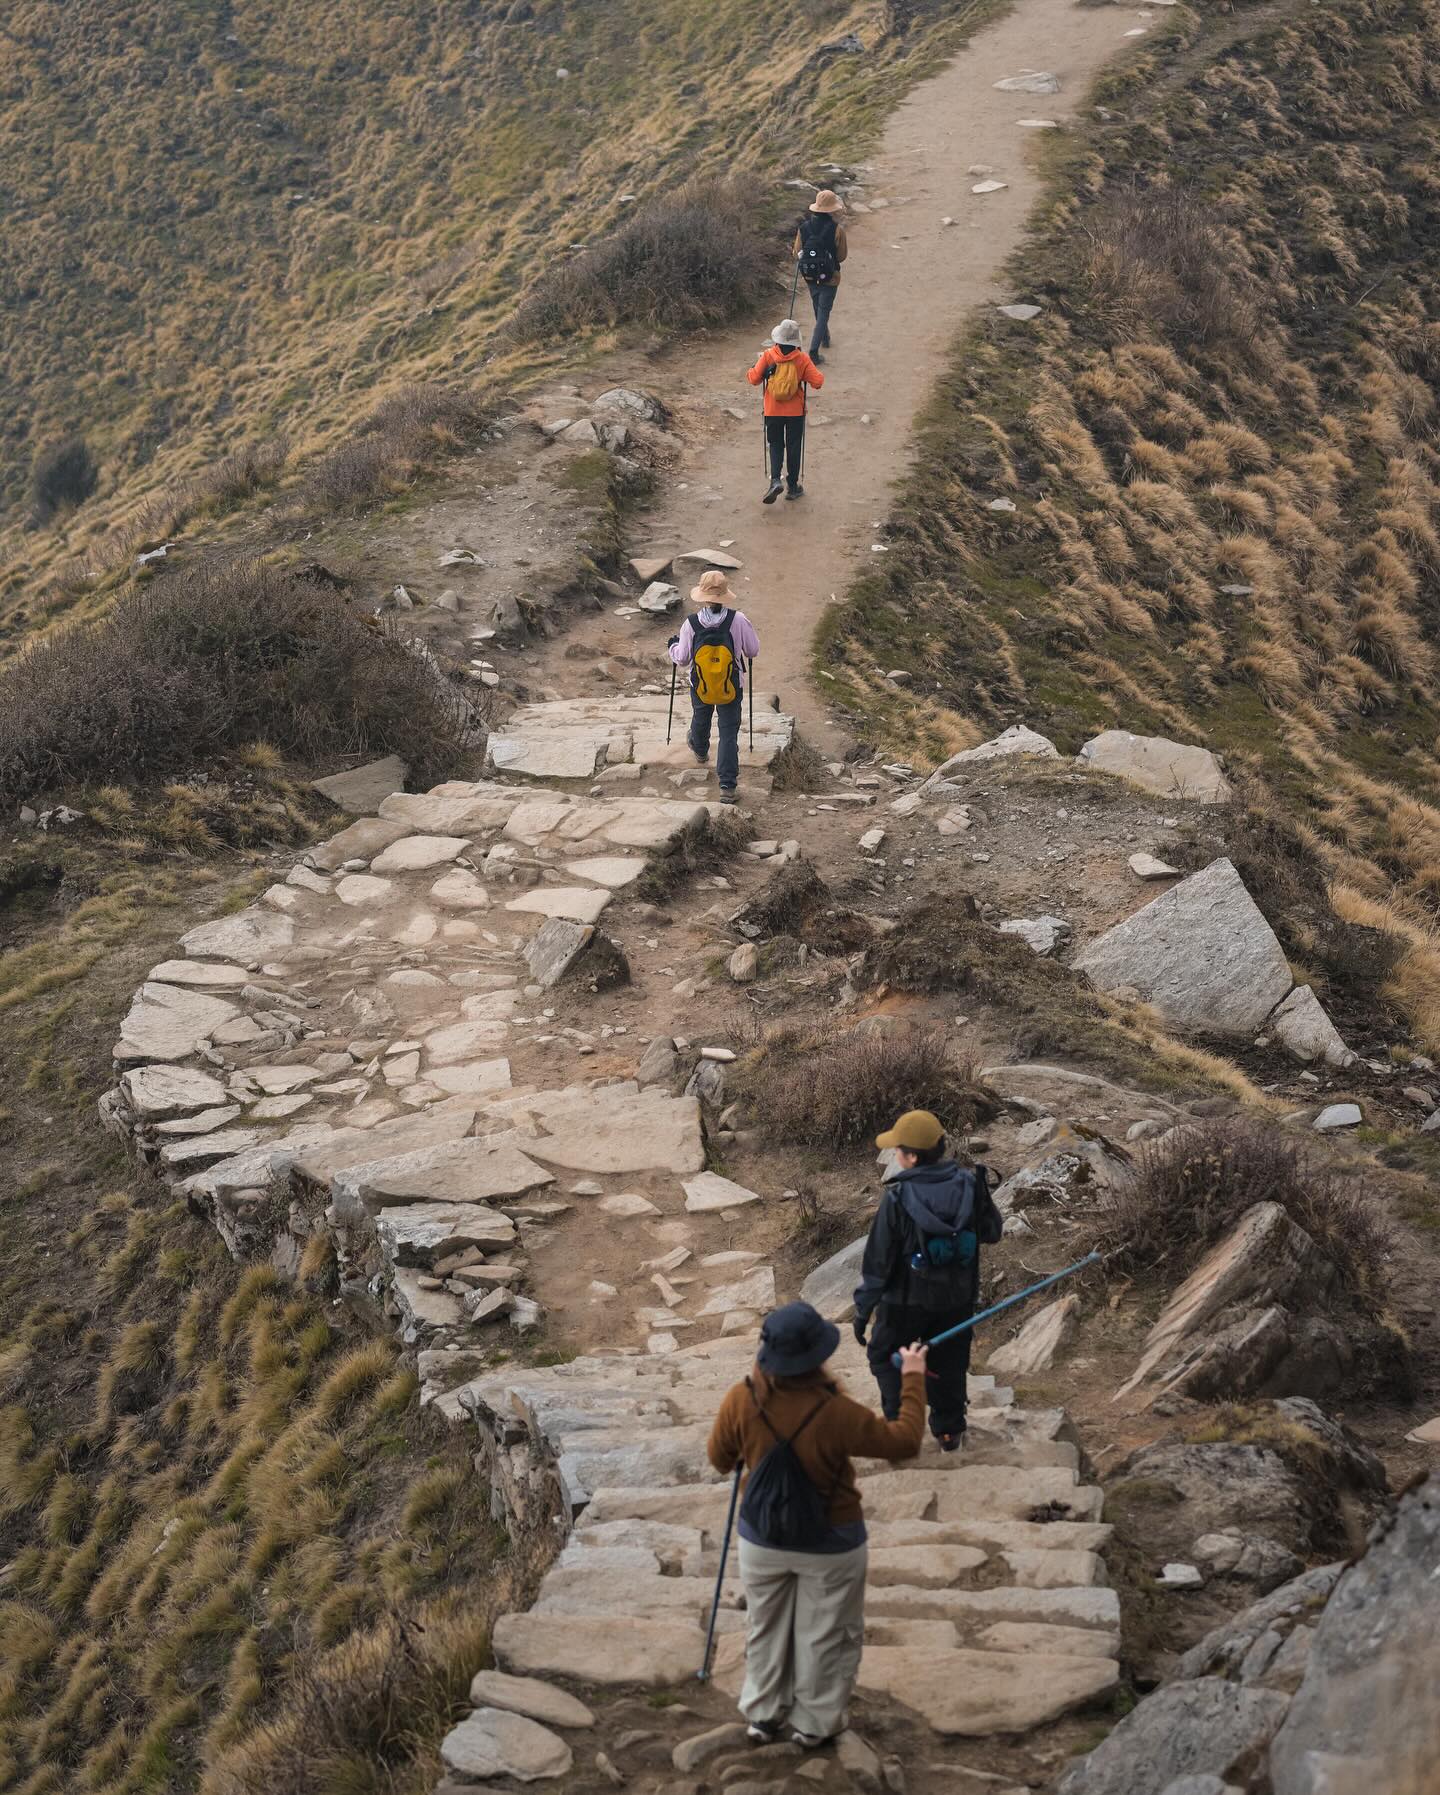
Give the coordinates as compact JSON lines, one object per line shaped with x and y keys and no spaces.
{"x":1243,"y":1647}
{"x":1047,"y":1332}
{"x":1015,"y":743}
{"x":1169,"y":769}
{"x":1173,"y":1492}
{"x":1201,"y":952}
{"x":1302,"y":1028}
{"x":1186,"y":1729}
{"x":1365,"y":1717}
{"x":1227,"y":1329}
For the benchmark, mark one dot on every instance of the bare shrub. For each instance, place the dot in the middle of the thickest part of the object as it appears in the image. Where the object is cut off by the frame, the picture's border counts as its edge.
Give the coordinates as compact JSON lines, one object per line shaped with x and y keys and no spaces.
{"x":1193,"y":1186}
{"x":209,"y":662}
{"x":255,"y":467}
{"x":63,"y":476}
{"x":403,"y":435}
{"x":828,"y":1086}
{"x":1158,"y":259}
{"x":697,"y":256}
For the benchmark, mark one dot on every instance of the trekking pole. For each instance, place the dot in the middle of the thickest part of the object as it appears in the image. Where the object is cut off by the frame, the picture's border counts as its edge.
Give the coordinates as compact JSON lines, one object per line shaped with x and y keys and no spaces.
{"x":703,"y":1674}
{"x":1010,"y":1301}
{"x":752,"y":703}
{"x":670,"y":720}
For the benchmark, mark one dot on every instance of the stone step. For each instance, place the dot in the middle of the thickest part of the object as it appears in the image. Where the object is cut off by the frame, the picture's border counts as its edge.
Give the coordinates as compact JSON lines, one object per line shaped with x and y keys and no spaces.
{"x":1065,"y":1607}
{"x":981,"y":1492}
{"x":650,"y":1653}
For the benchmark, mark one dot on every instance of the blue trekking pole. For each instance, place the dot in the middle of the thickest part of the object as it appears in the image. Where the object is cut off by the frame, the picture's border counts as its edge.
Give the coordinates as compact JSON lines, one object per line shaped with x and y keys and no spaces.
{"x":703,"y":1674}
{"x":1009,"y":1303}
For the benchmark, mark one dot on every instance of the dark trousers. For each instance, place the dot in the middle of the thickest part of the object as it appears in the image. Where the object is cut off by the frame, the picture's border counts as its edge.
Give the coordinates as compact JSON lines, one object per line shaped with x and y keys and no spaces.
{"x":785,"y":437}
{"x":727,"y":755}
{"x":949,"y":1363}
{"x":822,"y":297}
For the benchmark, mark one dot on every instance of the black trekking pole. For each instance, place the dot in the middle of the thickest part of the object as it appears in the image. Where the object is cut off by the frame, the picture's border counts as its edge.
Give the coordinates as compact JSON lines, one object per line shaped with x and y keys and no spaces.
{"x":752,"y":703}
{"x":670,"y":720}
{"x":794,"y":289}
{"x":703,"y":1674}
{"x":1009,"y":1302}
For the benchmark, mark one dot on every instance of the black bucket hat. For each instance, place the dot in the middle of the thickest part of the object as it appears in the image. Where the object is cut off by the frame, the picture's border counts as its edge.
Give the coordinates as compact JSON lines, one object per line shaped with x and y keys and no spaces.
{"x":793,"y":1339}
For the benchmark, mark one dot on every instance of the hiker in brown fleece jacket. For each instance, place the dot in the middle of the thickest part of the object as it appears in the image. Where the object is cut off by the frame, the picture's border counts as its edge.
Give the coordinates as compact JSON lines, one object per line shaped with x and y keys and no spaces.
{"x":805,"y":1605}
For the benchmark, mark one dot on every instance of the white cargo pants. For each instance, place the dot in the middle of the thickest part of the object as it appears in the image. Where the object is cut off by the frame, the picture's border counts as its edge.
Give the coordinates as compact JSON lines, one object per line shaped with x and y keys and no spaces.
{"x":806,"y":1628}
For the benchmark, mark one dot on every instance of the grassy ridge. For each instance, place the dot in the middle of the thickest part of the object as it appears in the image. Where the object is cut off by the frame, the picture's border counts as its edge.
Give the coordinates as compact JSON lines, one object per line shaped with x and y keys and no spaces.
{"x":225,"y":226}
{"x":1231,"y":386}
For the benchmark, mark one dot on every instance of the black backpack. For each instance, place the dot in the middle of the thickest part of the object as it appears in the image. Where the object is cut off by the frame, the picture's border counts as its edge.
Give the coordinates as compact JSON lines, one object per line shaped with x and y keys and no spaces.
{"x":782,"y":1507}
{"x":819,"y":259}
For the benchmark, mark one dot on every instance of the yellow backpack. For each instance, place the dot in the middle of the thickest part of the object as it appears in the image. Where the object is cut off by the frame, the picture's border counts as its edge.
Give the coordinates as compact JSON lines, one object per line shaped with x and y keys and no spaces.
{"x":785,"y":381}
{"x":712,"y":659}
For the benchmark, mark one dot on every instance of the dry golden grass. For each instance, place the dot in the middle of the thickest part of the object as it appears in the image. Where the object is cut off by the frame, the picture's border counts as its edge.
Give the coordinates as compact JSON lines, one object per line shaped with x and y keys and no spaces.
{"x":248,"y":1539}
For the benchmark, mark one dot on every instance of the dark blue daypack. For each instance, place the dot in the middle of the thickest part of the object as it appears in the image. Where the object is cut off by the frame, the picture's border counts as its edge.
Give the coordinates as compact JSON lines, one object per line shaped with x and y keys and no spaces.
{"x":782,"y":1507}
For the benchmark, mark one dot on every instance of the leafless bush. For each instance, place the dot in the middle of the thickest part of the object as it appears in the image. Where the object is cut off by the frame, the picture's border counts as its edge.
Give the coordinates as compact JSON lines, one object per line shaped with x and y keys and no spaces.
{"x":1159,"y":259}
{"x":64,"y":475}
{"x":1193,"y":1186}
{"x":697,"y":256}
{"x":827,"y":1086}
{"x":233,"y":653}
{"x":255,"y":467}
{"x":404,"y":434}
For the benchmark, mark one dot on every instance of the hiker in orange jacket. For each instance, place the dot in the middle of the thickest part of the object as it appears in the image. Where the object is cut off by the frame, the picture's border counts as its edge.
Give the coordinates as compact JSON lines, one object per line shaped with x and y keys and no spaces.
{"x":785,"y":370}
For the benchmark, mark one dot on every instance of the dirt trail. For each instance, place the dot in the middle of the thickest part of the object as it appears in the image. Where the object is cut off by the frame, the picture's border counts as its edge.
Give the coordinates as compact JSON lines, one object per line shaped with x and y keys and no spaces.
{"x":908,"y":287}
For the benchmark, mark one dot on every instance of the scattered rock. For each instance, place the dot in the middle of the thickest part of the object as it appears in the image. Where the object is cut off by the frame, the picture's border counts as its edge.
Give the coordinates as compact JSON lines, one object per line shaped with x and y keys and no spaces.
{"x":989,"y":186}
{"x":1338,"y":1115}
{"x":1146,"y":866}
{"x":1247,"y":1557}
{"x":1035,"y":82}
{"x":744,"y":963}
{"x":658,"y":597}
{"x":709,"y":1191}
{"x":659,"y":1063}
{"x":711,"y":557}
{"x":1169,"y":769}
{"x":529,"y":1696}
{"x":363,"y":790}
{"x":1021,"y":313}
{"x":830,"y":1288}
{"x":1180,"y":1576}
{"x":1302,"y":1027}
{"x":1041,"y":934}
{"x":1017,"y":740}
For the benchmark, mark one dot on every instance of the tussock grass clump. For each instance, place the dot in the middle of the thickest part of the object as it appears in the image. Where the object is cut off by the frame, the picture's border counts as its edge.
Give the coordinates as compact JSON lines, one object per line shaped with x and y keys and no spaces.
{"x":1193,"y":1186}
{"x":211,"y":662}
{"x":403,"y":435}
{"x":710,"y":848}
{"x":694,"y":257}
{"x":829,"y":1086}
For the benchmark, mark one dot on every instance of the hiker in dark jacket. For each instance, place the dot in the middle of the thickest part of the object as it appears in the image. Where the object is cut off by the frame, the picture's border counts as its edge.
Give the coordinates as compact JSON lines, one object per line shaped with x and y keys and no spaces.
{"x":921,"y":1270}
{"x":820,"y":247}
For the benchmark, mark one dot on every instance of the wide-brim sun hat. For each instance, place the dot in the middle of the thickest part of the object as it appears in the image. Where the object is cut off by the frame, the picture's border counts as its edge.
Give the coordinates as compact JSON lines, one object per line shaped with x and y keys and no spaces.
{"x":917,"y":1130}
{"x":786,"y":334}
{"x":826,"y":201}
{"x":712,"y":588}
{"x":795,"y":1339}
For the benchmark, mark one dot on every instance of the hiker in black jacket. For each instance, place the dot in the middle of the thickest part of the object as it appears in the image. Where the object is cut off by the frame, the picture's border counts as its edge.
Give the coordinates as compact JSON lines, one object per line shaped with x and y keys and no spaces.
{"x":921,"y":1270}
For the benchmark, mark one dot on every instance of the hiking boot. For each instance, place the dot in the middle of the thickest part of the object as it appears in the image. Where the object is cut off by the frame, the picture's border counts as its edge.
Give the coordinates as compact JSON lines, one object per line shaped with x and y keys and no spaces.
{"x":701,"y":760}
{"x":730,"y":797}
{"x":951,"y":1442}
{"x":772,"y":492}
{"x":763,"y":1732}
{"x":796,"y":492}
{"x":807,"y":1741}
{"x":817,"y":358}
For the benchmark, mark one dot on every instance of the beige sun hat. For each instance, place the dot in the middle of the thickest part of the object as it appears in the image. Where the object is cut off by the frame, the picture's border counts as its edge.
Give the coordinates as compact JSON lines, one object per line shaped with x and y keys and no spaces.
{"x":713,"y":589}
{"x":826,"y":201}
{"x":786,"y":334}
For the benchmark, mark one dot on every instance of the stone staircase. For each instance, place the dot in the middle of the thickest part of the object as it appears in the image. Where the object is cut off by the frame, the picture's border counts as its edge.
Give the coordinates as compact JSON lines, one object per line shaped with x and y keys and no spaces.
{"x":988,"y":1609}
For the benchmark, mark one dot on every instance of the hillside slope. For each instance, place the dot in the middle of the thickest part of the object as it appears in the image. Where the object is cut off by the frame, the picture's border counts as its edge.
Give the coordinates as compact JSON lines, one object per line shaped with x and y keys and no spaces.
{"x":1214,"y":450}
{"x":225,"y":225}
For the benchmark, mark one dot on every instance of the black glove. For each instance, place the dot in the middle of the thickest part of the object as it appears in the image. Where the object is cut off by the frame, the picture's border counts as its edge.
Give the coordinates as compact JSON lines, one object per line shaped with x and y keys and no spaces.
{"x":861,"y":1323}
{"x":768,"y":372}
{"x":673,"y":640}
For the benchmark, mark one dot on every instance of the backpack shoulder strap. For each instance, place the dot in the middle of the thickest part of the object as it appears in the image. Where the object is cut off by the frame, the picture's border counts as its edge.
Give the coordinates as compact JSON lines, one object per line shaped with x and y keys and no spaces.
{"x":780,"y":1438}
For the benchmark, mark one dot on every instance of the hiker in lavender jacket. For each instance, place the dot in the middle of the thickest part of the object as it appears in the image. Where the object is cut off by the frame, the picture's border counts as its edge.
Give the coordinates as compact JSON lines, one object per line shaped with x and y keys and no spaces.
{"x":714,"y":645}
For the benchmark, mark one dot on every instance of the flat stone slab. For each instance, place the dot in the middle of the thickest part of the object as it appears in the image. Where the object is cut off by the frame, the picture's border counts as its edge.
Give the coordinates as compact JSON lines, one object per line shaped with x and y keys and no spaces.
{"x":1155,"y":764}
{"x":472,"y":1170}
{"x":651,"y":1654}
{"x":363,"y":790}
{"x":1201,"y":952}
{"x":416,"y":1233}
{"x":1046,"y":1332}
{"x":361,"y":841}
{"x":970,"y":1694}
{"x":493,"y":1742}
{"x":710,"y":1191}
{"x":170,"y":1022}
{"x":416,"y":853}
{"x":248,"y":936}
{"x":613,"y":872}
{"x":206,"y":975}
{"x":529,"y":1696}
{"x":576,"y":903}
{"x":360,"y":889}
{"x":547,"y":755}
{"x":154,"y":1092}
{"x":612,"y":1129}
